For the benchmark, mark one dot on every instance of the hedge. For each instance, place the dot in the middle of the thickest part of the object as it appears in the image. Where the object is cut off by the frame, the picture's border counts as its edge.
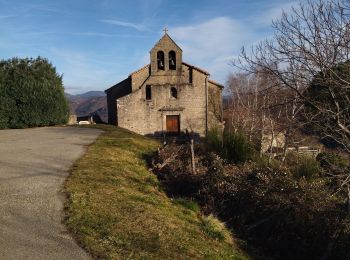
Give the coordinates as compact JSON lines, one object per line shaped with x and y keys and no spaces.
{"x":31,"y":94}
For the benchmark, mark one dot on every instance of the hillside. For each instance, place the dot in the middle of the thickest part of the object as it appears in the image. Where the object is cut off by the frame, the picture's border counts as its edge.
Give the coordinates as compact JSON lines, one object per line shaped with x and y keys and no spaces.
{"x":117,"y":208}
{"x":89,"y":103}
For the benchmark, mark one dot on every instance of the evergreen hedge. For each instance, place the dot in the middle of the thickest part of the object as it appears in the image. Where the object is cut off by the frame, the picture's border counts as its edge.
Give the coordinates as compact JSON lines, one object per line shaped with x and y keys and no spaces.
{"x":31,"y":94}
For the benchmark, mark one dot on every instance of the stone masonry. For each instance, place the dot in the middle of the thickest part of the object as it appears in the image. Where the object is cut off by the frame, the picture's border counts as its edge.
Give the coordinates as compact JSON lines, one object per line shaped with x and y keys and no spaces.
{"x":167,"y":95}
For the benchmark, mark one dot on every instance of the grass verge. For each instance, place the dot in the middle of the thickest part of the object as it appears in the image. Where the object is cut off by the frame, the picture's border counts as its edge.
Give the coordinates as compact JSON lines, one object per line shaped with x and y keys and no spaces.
{"x":116,"y":208}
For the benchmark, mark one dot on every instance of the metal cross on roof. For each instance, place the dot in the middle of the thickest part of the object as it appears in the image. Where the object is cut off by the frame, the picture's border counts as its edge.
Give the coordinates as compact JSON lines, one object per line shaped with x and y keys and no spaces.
{"x":165,"y":30}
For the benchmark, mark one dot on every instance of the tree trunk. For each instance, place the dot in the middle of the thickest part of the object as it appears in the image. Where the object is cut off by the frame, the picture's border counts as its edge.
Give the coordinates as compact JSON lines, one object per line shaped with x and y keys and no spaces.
{"x":348,"y":186}
{"x":192,"y":157}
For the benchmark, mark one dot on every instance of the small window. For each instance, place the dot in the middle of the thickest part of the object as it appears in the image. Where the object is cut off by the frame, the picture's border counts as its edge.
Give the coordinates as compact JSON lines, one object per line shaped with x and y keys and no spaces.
{"x":173,"y":92}
{"x":148,"y":92}
{"x":191,"y":75}
{"x":172,"y":60}
{"x":160,"y":60}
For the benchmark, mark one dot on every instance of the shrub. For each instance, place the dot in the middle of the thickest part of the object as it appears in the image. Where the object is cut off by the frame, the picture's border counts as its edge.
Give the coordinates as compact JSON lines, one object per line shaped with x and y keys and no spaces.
{"x":283,"y":217}
{"x":335,"y":167}
{"x":31,"y":94}
{"x":236,"y":148}
{"x":328,"y":159}
{"x":5,"y":103}
{"x":263,"y":160}
{"x":213,"y":139}
{"x":279,"y":212}
{"x":233,"y":147}
{"x":306,"y":167}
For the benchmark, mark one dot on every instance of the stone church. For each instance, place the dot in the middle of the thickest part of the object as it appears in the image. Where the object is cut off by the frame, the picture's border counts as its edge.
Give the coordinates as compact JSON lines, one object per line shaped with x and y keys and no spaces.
{"x":167,"y":96}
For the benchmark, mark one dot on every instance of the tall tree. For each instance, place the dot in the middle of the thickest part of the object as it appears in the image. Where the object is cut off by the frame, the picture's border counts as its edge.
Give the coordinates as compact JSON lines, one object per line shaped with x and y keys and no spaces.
{"x":311,"y":39}
{"x":308,"y":55}
{"x":328,"y":113}
{"x":31,"y":94}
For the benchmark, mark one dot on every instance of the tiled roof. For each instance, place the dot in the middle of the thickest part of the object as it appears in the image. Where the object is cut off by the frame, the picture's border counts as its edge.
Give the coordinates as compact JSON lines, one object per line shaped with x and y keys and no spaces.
{"x":196,"y":68}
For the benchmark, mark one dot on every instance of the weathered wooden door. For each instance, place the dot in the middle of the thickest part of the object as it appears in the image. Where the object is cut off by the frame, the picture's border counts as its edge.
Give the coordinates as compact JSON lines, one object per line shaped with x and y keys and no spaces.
{"x":173,"y":124}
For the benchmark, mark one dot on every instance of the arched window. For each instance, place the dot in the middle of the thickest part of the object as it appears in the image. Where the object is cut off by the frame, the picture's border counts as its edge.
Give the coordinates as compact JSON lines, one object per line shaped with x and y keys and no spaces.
{"x":173,"y":92}
{"x":160,"y":60}
{"x":172,"y":60}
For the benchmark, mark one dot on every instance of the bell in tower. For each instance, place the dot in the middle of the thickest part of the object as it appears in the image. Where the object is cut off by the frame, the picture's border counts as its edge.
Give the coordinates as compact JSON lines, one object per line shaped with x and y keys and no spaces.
{"x":160,"y":60}
{"x":165,"y":56}
{"x":172,"y":60}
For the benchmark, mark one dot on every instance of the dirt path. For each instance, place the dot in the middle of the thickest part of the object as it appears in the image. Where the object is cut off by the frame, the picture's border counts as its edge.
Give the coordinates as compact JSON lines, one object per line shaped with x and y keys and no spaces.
{"x":33,"y":167}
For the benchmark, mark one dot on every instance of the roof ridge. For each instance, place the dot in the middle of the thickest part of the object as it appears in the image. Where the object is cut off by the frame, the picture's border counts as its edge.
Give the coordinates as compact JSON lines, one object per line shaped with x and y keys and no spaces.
{"x":196,"y":68}
{"x":136,"y":71}
{"x":166,"y":34}
{"x":216,"y":83}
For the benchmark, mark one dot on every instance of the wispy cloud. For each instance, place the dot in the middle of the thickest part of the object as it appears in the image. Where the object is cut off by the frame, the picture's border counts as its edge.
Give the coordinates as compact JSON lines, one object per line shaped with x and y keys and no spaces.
{"x":213,"y":43}
{"x":45,"y":9}
{"x":98,"y":34}
{"x":274,"y":13}
{"x":95,"y":43}
{"x":87,"y":34}
{"x":83,"y":71}
{"x":138,"y":26}
{"x":6,"y":16}
{"x":216,"y":42}
{"x":215,"y":36}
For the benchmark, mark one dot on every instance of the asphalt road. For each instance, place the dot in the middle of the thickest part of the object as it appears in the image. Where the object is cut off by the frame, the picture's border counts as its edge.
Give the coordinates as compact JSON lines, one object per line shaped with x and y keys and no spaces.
{"x":33,"y":167}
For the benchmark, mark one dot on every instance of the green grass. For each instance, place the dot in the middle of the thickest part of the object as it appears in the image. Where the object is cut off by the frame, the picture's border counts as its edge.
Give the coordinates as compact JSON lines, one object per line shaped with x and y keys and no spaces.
{"x":116,"y":208}
{"x":216,"y":229}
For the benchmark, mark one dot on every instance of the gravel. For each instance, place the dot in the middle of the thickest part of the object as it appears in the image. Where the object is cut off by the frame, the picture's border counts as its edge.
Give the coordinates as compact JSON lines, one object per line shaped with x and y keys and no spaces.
{"x":33,"y":166}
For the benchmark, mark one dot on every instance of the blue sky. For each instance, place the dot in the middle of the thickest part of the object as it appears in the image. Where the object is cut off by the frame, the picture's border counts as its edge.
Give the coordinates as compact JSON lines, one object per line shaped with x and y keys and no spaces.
{"x":95,"y":44}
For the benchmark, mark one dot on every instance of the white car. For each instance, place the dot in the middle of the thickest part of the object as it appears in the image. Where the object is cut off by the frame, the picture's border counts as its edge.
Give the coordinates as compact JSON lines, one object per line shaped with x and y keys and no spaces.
{"x":83,"y":123}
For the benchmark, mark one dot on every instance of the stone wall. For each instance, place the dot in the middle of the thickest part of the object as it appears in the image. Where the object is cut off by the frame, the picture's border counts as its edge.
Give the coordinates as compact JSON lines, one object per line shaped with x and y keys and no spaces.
{"x":72,"y":120}
{"x":277,"y":143}
{"x":121,"y":89}
{"x":139,"y":77}
{"x":166,"y":44}
{"x":148,"y":117}
{"x":128,"y":107}
{"x":215,"y":116}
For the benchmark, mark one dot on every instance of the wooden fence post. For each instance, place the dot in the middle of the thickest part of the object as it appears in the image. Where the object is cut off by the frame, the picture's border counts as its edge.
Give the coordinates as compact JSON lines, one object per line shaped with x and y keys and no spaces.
{"x":192,"y":157}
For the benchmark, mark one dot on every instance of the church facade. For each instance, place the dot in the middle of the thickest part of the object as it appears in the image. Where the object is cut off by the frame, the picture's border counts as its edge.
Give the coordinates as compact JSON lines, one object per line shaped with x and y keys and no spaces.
{"x":167,"y":96}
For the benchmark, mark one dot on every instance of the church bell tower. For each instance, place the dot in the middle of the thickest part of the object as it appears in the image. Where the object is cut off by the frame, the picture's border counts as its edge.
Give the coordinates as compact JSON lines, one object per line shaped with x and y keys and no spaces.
{"x":166,"y":57}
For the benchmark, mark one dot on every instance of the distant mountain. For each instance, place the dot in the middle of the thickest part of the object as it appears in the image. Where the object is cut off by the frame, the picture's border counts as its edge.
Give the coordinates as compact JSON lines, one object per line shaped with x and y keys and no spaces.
{"x":92,"y":94}
{"x":91,"y":103}
{"x":68,"y":95}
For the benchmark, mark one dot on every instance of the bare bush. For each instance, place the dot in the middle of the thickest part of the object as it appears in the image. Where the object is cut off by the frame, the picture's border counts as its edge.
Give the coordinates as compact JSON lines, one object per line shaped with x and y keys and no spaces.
{"x":311,"y":45}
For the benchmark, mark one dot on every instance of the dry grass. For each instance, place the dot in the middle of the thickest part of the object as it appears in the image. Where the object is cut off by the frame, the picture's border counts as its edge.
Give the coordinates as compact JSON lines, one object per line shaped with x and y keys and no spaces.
{"x":117,"y":209}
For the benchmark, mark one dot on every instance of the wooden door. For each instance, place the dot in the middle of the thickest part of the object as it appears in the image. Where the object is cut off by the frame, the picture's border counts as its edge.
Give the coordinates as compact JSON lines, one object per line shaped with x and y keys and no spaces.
{"x":173,"y":124}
